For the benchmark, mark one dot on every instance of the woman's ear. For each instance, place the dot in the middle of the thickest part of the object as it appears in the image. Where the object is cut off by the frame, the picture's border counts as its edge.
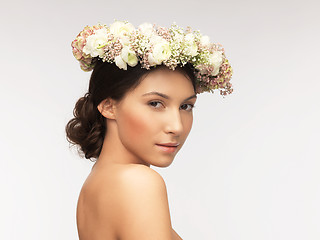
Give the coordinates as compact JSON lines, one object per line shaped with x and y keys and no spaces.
{"x":107,"y":108}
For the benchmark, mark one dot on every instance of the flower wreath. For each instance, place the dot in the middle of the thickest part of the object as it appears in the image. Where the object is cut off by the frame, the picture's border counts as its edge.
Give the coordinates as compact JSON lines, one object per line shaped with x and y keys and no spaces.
{"x":152,"y":45}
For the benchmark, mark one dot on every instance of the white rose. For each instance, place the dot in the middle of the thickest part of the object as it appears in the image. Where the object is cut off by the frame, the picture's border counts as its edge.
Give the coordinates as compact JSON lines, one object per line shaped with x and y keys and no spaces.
{"x":146,"y":29}
{"x":151,"y":60}
{"x":205,"y":40}
{"x":191,"y":46}
{"x":189,"y":37}
{"x":161,"y":51}
{"x":95,"y":43}
{"x":191,"y":49}
{"x":155,"y":38}
{"x":120,"y":63}
{"x":216,"y":60}
{"x":129,"y":56}
{"x":120,"y":28}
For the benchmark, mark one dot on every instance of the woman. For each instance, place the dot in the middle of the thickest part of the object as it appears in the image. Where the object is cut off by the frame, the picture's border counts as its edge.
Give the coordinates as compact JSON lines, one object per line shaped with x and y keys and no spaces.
{"x":137,"y":113}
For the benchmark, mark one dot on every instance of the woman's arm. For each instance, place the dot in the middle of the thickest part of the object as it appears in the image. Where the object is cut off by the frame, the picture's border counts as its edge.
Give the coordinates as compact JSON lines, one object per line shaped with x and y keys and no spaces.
{"x":175,"y":235}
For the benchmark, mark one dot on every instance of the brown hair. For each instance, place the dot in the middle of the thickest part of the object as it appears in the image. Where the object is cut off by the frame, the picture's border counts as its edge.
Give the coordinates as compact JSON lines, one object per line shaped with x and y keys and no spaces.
{"x":87,"y":128}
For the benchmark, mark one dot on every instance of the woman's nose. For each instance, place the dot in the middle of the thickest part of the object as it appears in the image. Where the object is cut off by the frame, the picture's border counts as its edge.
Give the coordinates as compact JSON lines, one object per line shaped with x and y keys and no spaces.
{"x":174,"y":123}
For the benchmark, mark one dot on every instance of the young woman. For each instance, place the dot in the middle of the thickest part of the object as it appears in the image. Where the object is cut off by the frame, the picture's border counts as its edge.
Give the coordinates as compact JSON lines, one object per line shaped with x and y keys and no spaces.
{"x":137,"y":113}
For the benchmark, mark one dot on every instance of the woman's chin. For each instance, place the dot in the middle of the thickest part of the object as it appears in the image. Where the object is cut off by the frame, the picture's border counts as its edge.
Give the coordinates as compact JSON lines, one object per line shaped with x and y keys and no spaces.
{"x":163,"y":163}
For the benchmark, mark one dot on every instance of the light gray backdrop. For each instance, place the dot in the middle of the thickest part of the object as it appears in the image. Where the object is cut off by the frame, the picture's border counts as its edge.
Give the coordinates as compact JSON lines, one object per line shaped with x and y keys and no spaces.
{"x":250,"y":167}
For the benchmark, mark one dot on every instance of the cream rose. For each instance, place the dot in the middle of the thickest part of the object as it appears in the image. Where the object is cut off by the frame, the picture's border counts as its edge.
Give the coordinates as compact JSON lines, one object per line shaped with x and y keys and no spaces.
{"x":120,"y":63}
{"x":205,"y":40}
{"x":216,"y":60}
{"x":189,"y":37}
{"x":161,"y":51}
{"x":121,"y":29}
{"x":95,"y":42}
{"x":146,"y":29}
{"x":155,"y":38}
{"x":129,"y":56}
{"x":191,"y":49}
{"x":191,"y":46}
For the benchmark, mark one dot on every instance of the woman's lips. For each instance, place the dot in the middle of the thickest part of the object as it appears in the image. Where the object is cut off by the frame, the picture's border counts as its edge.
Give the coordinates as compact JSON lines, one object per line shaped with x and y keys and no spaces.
{"x":167,"y":149}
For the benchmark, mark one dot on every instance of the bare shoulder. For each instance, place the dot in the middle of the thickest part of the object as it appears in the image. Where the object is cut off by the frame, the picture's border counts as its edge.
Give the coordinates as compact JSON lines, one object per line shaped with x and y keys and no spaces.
{"x":141,"y":176}
{"x":127,"y":202}
{"x":143,"y":205}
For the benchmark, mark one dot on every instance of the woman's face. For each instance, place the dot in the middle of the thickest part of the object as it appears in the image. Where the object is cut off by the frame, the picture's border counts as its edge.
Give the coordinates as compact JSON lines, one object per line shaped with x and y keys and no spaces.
{"x":157,"y":112}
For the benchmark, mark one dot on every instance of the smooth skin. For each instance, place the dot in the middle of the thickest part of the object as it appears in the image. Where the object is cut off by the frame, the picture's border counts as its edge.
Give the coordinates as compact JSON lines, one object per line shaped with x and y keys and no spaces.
{"x":123,"y":198}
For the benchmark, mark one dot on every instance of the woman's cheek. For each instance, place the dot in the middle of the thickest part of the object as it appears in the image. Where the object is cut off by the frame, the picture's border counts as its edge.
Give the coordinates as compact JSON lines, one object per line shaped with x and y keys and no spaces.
{"x":188,"y":121}
{"x":139,"y":125}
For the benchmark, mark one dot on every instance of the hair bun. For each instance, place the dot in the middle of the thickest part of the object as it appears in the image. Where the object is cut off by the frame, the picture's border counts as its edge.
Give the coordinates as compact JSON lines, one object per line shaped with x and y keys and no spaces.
{"x":87,"y":128}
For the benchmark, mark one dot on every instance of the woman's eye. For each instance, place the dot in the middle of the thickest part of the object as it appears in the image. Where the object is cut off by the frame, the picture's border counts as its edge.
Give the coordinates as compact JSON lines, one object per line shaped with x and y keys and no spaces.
{"x":155,"y":104}
{"x":187,"y":107}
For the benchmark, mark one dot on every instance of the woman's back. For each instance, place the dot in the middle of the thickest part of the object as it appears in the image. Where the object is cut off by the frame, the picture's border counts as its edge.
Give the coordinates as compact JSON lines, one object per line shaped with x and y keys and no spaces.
{"x":124,"y":202}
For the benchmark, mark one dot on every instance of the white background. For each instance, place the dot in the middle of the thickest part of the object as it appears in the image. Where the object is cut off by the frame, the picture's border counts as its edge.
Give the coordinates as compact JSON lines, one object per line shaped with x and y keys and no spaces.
{"x":250,"y":167}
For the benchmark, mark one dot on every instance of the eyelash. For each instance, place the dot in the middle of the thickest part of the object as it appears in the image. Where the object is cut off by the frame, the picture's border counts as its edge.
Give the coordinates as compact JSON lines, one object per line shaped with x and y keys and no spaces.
{"x":191,"y":105}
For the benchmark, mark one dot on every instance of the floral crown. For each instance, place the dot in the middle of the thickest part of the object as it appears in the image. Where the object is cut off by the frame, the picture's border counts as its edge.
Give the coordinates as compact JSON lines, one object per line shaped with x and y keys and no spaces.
{"x":152,"y":45}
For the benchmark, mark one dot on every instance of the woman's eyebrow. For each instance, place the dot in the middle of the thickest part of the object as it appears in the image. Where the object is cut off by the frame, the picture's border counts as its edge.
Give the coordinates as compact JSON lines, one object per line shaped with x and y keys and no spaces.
{"x":166,"y":96}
